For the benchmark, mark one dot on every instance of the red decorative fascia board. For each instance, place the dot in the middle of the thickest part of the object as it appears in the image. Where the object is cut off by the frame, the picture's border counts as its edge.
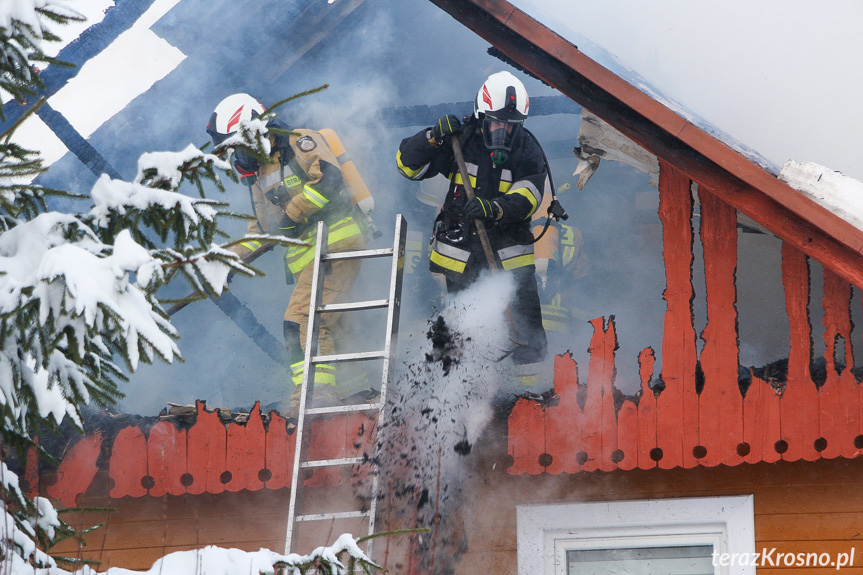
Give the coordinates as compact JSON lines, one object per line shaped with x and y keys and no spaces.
{"x":208,"y":457}
{"x":677,"y":424}
{"x":804,"y":422}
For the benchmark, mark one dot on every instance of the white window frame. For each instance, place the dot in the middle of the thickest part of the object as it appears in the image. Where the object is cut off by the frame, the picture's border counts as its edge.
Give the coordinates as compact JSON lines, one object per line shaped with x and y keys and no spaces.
{"x":546,"y":532}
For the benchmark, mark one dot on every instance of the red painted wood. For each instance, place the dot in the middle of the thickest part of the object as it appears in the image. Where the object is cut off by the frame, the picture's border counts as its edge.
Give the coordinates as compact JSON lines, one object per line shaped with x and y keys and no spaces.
{"x":799,"y":426}
{"x":627,"y":436}
{"x":526,"y":438}
{"x":76,"y":470}
{"x":839,"y":404}
{"x":246,"y":455}
{"x":127,"y":465}
{"x":166,"y":459}
{"x":646,"y":410}
{"x":761,"y":422}
{"x":361,"y":429}
{"x":280,"y":452}
{"x":677,"y":423}
{"x":326,"y":440}
{"x":720,"y":404}
{"x":600,"y":418}
{"x":591,"y":430}
{"x":563,"y":422}
{"x":208,"y":445}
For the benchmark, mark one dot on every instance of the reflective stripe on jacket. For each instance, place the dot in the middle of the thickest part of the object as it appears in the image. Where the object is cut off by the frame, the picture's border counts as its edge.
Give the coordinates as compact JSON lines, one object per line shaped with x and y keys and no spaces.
{"x":298,"y":257}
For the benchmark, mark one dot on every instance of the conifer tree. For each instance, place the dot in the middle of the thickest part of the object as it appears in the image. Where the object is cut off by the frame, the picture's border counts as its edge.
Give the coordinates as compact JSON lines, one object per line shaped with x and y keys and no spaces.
{"x":79,"y":292}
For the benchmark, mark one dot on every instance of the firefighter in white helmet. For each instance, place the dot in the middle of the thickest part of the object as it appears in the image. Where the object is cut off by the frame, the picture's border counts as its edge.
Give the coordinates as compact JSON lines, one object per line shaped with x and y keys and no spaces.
{"x":507,"y":170}
{"x":301,"y":185}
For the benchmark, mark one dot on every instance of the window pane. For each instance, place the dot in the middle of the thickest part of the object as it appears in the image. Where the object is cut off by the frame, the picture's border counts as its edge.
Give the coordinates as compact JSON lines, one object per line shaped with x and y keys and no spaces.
{"x":684,"y":560}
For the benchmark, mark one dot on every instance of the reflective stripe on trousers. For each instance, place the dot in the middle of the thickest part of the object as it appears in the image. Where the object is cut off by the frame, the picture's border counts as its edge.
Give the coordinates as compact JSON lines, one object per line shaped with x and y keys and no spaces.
{"x":325,"y":373}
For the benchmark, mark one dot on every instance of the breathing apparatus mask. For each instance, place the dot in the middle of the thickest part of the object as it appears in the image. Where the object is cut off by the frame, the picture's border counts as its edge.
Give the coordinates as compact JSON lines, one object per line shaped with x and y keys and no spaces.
{"x":499,"y":135}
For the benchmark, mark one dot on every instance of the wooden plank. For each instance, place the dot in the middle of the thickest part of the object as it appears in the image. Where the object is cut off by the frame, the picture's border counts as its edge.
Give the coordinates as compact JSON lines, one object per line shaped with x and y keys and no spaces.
{"x":646,"y":411}
{"x":823,"y":498}
{"x":761,"y":422}
{"x":720,"y":403}
{"x":626,"y":456}
{"x":810,"y":527}
{"x":599,"y":403}
{"x":677,"y":404}
{"x":359,"y":442}
{"x":127,"y":465}
{"x":280,"y":452}
{"x":746,"y":186}
{"x":326,"y":440}
{"x":839,"y":408}
{"x":166,"y":459}
{"x":609,"y":412}
{"x":526,"y":437}
{"x":799,"y":404}
{"x":188,"y":531}
{"x":208,"y":445}
{"x":76,"y":470}
{"x":245,"y":453}
{"x":563,"y":422}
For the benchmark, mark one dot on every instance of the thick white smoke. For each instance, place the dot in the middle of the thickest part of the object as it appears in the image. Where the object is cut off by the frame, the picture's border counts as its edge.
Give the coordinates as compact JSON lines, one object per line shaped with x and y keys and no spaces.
{"x":443,"y":398}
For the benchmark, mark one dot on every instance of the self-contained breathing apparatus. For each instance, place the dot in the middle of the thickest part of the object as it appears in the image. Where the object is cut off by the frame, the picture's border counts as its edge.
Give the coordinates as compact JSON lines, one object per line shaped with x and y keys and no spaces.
{"x":454,"y":231}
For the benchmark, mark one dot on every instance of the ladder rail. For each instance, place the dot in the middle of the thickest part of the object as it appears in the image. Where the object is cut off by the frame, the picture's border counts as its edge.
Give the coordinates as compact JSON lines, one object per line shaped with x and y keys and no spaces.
{"x":393,"y":313}
{"x":311,"y":349}
{"x":312,"y":357}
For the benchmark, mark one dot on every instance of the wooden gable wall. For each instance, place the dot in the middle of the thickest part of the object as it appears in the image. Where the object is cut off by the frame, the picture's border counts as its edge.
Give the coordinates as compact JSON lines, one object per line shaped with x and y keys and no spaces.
{"x":678,"y":425}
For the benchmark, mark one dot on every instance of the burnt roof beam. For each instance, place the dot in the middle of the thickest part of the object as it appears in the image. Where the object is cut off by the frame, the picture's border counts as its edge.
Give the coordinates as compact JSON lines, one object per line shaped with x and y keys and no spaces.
{"x":786,"y":212}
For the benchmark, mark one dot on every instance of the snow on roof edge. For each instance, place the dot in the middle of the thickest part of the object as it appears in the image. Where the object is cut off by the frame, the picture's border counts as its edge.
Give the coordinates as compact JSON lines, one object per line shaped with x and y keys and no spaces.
{"x":838,"y":193}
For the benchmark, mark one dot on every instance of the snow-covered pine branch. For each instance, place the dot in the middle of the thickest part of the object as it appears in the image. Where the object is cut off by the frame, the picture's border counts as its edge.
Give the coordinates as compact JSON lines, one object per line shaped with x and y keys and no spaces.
{"x":24,"y":26}
{"x":79,"y":292}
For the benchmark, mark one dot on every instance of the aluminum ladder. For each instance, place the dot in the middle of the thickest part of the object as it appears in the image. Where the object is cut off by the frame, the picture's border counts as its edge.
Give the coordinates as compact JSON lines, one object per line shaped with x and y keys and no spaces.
{"x":392,"y":303}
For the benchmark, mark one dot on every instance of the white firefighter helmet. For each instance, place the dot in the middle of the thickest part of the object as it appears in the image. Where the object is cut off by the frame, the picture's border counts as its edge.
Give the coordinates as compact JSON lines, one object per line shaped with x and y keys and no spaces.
{"x":501,"y":105}
{"x":228,"y":114}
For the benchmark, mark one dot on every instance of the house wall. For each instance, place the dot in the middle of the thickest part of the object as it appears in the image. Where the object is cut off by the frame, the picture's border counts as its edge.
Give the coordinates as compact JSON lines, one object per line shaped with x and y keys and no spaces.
{"x":139,"y":530}
{"x":799,"y":507}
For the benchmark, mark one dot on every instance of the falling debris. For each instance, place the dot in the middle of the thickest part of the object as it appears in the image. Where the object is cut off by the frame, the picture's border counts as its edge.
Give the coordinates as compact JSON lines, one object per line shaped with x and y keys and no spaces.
{"x":445,"y":348}
{"x":438,"y":412}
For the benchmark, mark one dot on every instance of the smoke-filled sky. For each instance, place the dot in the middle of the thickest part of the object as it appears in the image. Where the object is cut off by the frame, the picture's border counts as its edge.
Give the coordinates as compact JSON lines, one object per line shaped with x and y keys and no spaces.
{"x":780,"y":76}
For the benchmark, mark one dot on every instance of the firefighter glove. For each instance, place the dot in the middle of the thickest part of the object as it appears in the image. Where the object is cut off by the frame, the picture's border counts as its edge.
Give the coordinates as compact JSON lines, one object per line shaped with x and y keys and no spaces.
{"x":278,"y":196}
{"x":446,"y":126}
{"x":289,"y":228}
{"x":481,"y":209}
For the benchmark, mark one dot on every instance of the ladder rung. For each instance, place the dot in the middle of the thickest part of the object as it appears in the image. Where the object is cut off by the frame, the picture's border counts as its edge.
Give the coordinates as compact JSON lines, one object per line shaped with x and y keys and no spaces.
{"x":339,"y":515}
{"x":355,"y":306}
{"x":357,"y":356}
{"x":360,"y":254}
{"x":333,"y":462}
{"x":343,"y":408}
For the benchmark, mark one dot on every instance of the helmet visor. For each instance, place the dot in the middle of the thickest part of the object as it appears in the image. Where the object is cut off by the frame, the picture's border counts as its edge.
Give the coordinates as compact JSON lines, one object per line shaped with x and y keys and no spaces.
{"x":498,"y":134}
